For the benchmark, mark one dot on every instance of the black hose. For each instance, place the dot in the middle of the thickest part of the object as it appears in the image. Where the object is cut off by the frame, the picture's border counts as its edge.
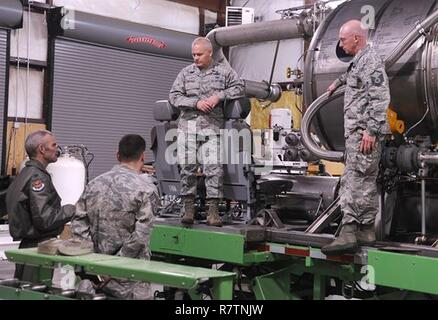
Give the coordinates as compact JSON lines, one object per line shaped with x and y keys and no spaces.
{"x":274,"y":62}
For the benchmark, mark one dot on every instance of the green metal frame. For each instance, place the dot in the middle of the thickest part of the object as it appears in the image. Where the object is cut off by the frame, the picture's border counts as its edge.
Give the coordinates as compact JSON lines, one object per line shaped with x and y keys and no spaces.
{"x":323,"y":269}
{"x":11,"y":293}
{"x":171,"y":275}
{"x":232,"y":248}
{"x":403,"y":271}
{"x":274,"y":286}
{"x":413,"y":272}
{"x":413,"y":276}
{"x":204,"y":244}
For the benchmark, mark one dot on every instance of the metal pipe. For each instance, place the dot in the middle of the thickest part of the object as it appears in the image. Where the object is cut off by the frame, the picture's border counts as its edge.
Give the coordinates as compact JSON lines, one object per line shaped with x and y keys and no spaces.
{"x":274,"y":62}
{"x":410,"y":38}
{"x":423,"y":206}
{"x":262,"y":90}
{"x":423,"y":175}
{"x":296,"y":27}
{"x":26,"y":114}
{"x":429,"y":158}
{"x":398,"y":51}
{"x":258,"y":32}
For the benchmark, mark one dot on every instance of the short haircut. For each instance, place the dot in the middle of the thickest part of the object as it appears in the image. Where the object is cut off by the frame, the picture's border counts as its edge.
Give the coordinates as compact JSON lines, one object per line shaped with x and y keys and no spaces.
{"x":205,"y":42}
{"x":131,"y":147}
{"x":33,"y":140}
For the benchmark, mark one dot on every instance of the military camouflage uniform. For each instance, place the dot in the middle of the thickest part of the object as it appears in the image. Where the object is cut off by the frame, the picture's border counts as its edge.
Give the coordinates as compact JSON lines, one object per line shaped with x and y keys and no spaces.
{"x":366,"y":100}
{"x":115,"y":212}
{"x":198,"y":132}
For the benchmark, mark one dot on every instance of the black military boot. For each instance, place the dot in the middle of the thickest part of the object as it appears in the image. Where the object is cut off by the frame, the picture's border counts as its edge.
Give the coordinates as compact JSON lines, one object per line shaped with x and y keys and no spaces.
{"x":189,"y":209}
{"x":366,"y":235}
{"x":213,"y":218}
{"x":345,"y":243}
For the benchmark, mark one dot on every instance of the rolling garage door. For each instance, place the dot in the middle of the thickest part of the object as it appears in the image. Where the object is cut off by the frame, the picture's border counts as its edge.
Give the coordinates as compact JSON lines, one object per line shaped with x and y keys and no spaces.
{"x":102,"y":92}
{"x":4,"y":72}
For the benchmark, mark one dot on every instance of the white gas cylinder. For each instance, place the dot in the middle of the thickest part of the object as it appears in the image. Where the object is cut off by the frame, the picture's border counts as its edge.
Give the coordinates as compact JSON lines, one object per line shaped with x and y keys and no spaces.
{"x":23,"y":164}
{"x":68,"y":177}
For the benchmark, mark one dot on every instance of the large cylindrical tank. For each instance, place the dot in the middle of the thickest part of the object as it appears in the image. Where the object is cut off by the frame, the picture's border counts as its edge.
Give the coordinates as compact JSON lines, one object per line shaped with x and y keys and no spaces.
{"x":68,"y":177}
{"x":413,"y":79}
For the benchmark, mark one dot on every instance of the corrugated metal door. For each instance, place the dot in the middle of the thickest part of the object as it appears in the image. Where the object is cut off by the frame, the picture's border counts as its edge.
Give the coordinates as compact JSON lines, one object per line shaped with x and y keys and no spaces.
{"x":4,"y":70}
{"x":102,"y":93}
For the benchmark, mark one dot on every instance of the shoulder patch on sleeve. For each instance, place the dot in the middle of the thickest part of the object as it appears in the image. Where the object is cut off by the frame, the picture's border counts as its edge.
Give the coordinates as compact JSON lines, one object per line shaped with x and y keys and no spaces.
{"x":38,"y":185}
{"x":377,"y":78}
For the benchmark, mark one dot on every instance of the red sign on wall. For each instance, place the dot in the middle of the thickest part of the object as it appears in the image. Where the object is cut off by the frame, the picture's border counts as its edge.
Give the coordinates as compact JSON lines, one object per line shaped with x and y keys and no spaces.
{"x":149,"y":40}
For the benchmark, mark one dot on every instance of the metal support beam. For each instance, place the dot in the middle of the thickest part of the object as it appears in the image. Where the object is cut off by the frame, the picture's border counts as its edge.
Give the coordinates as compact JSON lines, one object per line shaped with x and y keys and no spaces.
{"x":201,"y":22}
{"x":325,"y":218}
{"x":319,"y":286}
{"x":403,"y":271}
{"x":11,"y":293}
{"x":274,"y":286}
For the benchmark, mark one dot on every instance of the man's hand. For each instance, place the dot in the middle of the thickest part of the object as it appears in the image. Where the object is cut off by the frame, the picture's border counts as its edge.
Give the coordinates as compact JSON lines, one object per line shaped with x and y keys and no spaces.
{"x":209,"y":104}
{"x":367,"y":144}
{"x":331,"y":88}
{"x":148,"y":169}
{"x":203,"y":106}
{"x":213,"y":100}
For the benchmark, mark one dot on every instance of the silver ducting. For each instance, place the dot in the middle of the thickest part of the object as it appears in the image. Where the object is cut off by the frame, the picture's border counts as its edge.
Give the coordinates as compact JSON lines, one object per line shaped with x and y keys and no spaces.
{"x":259,"y":32}
{"x":296,"y":27}
{"x":428,"y":157}
{"x":306,"y":137}
{"x":262,"y":90}
{"x":411,"y":68}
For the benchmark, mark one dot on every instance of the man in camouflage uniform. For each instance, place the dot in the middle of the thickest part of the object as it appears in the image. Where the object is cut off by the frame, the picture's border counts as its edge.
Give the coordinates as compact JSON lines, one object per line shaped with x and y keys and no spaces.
{"x":366,"y":99}
{"x":200,"y":91}
{"x":33,"y":205}
{"x":115,"y":212}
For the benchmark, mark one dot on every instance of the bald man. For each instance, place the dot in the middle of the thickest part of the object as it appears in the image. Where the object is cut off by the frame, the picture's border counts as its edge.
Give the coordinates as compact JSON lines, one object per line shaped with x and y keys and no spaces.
{"x":366,"y":99}
{"x":200,"y":91}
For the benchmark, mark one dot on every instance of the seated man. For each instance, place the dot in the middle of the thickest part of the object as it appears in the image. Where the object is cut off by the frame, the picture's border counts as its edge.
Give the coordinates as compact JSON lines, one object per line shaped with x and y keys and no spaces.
{"x":115,"y":212}
{"x":33,"y":205}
